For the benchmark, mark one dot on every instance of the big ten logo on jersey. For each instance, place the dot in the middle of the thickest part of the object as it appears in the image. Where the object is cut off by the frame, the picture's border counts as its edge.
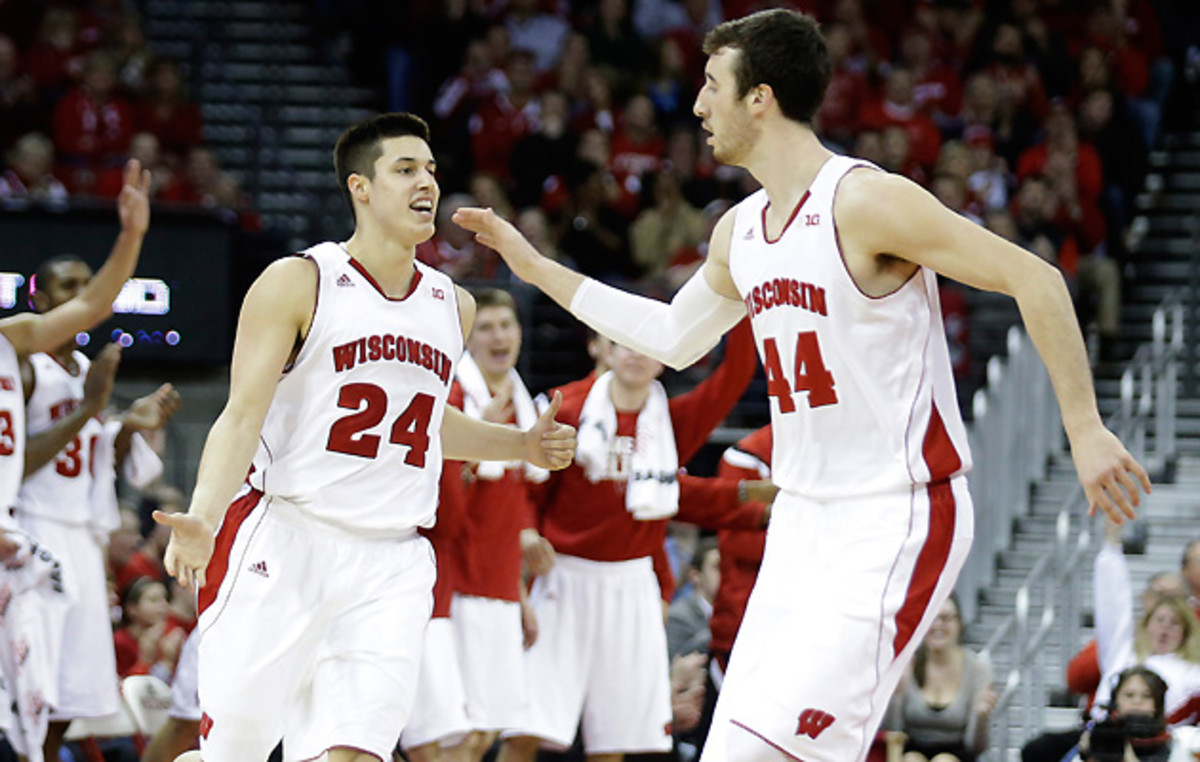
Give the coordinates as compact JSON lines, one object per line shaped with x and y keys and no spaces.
{"x":813,"y":722}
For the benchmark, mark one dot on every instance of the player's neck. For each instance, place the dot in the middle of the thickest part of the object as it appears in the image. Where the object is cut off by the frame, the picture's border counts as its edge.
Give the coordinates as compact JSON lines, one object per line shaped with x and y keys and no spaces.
{"x":627,"y":398}
{"x":785,"y":161}
{"x":495,"y":381}
{"x":388,"y":261}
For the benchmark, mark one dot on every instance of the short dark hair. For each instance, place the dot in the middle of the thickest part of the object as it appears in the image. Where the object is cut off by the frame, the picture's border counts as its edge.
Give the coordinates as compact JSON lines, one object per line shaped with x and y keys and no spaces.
{"x":780,"y":48}
{"x":495,"y":297}
{"x":44,"y":275}
{"x":1154,"y":681}
{"x":358,"y":147}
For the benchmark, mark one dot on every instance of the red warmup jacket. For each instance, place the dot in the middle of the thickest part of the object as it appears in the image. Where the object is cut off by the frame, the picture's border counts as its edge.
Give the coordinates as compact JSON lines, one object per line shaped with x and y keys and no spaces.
{"x":741,"y":554}
{"x":487,"y":555}
{"x":589,"y":520}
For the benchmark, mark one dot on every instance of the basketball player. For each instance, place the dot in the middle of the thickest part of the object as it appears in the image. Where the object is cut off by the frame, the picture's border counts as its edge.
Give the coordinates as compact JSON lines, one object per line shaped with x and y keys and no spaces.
{"x":66,"y":494}
{"x":27,"y":333}
{"x":836,"y":263}
{"x":315,"y":593}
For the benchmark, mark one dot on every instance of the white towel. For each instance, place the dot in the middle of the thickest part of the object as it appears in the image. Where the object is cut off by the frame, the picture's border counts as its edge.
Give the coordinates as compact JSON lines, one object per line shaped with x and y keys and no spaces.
{"x":476,"y":396}
{"x":652,"y":491}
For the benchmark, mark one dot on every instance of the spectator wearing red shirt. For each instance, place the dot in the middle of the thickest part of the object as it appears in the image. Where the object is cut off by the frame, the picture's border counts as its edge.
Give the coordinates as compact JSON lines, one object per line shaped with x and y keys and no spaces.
{"x":92,"y":124}
{"x":1018,"y":79}
{"x":504,"y":118}
{"x":166,"y":112}
{"x":937,"y":90}
{"x":55,"y":59}
{"x":164,"y":182}
{"x":848,"y":87}
{"x":897,"y":107}
{"x":18,"y":97}
{"x":637,"y":149}
{"x":148,"y":642}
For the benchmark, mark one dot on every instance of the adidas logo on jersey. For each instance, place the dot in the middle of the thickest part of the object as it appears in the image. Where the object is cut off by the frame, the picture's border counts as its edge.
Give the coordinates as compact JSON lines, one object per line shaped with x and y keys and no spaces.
{"x":259,"y":568}
{"x":344,"y":280}
{"x":749,"y":235}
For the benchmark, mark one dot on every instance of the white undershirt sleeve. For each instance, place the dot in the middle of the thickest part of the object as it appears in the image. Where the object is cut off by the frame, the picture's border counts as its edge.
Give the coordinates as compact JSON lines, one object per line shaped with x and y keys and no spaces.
{"x":677,"y":334}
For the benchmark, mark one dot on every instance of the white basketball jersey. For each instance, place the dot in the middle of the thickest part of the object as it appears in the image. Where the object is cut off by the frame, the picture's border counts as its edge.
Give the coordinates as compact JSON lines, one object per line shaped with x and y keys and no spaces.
{"x":861,"y":392}
{"x":12,"y":428}
{"x":353,"y":434}
{"x":61,"y":489}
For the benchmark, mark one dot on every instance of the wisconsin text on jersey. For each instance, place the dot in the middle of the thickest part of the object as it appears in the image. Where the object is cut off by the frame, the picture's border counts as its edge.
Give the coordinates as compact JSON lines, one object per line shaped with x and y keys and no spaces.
{"x":392,"y":347}
{"x":789,"y":292}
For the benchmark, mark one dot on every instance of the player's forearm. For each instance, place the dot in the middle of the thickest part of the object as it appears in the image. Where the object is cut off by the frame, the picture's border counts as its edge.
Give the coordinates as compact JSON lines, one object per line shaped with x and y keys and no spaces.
{"x":1050,"y":319}
{"x":226,"y":459}
{"x":43,"y":447}
{"x":104,"y":287}
{"x":464,"y":438}
{"x":677,"y":334}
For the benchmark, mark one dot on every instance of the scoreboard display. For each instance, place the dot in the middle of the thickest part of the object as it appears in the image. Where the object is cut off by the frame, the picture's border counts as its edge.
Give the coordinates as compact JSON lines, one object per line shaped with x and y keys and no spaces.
{"x":177,"y":308}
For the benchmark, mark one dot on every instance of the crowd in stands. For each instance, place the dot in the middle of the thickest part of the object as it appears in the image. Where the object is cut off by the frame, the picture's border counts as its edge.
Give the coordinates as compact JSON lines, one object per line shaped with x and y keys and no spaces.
{"x":1031,"y":117}
{"x":81,"y":92}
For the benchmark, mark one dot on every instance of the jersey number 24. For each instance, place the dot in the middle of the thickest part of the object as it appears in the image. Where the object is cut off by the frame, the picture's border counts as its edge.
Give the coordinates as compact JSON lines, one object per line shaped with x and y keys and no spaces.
{"x":410,"y":429}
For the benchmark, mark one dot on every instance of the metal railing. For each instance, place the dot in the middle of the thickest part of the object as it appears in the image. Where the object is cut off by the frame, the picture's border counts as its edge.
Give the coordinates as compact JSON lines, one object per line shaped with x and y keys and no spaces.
{"x":1012,"y":440}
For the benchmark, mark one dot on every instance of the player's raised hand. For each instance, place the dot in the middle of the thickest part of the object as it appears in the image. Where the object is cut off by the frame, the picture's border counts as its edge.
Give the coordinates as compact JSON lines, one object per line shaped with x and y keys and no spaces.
{"x":154,"y":410}
{"x":133,"y":203}
{"x":497,"y":233}
{"x":190,"y":548}
{"x":548,"y":443}
{"x":1107,"y":472}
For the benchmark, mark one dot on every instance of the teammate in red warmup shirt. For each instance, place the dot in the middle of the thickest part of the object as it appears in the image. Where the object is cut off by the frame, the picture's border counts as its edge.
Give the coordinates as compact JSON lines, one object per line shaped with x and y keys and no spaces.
{"x":601,"y":650}
{"x":315,"y":594}
{"x":837,"y":263}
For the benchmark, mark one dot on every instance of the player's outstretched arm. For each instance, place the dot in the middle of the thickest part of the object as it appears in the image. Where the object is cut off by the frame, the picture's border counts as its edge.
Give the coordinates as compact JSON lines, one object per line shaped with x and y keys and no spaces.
{"x":29,"y":333}
{"x":274,"y":315}
{"x":548,"y":443}
{"x":887,"y":214}
{"x":676,"y":334}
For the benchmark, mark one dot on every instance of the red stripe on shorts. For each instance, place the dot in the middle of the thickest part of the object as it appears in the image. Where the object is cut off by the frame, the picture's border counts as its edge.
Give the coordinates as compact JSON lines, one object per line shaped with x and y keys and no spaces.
{"x":218,"y":565}
{"x":942,"y":460}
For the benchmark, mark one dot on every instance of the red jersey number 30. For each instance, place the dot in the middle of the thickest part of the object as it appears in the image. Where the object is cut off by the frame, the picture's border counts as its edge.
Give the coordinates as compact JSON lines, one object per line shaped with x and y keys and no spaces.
{"x":810,"y":373}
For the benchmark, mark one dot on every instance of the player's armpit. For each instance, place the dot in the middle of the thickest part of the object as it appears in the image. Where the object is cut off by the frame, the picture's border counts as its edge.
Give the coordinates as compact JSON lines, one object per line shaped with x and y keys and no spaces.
{"x":879,"y":213}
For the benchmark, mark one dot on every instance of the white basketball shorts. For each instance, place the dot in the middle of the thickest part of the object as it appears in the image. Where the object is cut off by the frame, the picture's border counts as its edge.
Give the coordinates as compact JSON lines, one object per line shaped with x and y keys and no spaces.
{"x":185,"y":692}
{"x":846,"y":592}
{"x":87,"y":679}
{"x":308,"y":634}
{"x":492,"y":653}
{"x":440,"y":711}
{"x":601,"y":655}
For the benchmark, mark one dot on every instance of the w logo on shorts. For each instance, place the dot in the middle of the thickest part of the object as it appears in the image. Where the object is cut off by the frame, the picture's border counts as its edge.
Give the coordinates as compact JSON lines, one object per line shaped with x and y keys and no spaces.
{"x":813,"y":723}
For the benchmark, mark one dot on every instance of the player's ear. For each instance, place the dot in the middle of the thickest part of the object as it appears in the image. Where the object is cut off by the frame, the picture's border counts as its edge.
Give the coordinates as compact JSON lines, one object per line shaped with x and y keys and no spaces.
{"x":761,"y":95}
{"x":360,"y":187}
